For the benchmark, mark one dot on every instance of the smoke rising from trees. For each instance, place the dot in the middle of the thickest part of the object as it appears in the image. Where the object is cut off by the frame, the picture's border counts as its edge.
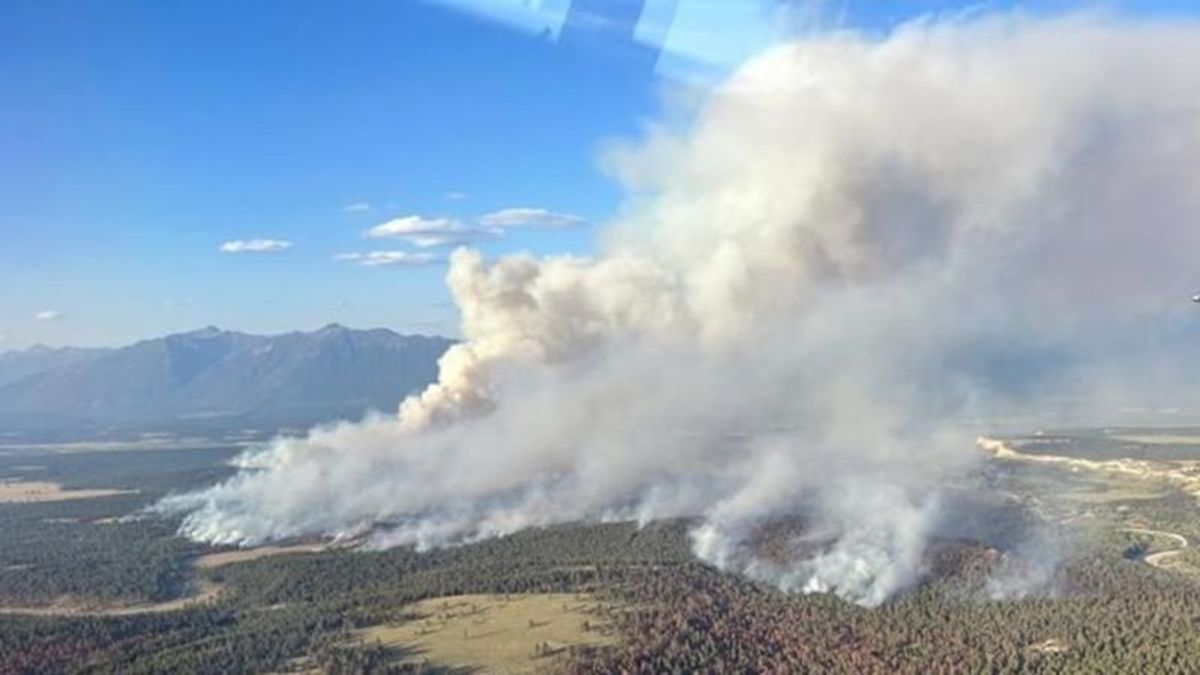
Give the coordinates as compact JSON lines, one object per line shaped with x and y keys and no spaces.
{"x":856,"y":246}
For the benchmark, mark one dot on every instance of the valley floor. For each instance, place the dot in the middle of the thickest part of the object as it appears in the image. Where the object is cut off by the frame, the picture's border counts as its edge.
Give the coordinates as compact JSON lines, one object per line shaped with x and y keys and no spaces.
{"x":98,"y":585}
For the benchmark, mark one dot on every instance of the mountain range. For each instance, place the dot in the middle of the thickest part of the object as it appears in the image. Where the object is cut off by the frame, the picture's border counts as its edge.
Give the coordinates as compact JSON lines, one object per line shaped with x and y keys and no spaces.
{"x":215,"y":377}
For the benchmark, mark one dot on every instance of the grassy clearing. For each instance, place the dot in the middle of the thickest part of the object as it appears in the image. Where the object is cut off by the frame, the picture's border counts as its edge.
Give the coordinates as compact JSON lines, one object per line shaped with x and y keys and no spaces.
{"x":496,"y":633}
{"x":1109,"y":488}
{"x":27,"y":492}
{"x":212,"y":560}
{"x":1159,"y":439}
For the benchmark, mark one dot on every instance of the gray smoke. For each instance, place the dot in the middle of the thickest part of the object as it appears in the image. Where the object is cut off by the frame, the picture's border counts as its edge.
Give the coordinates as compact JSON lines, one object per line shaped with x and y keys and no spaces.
{"x":856,"y":245}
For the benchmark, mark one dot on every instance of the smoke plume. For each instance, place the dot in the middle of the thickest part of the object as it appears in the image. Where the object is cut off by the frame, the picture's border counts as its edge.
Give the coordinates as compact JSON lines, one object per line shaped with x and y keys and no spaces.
{"x":857,"y":246}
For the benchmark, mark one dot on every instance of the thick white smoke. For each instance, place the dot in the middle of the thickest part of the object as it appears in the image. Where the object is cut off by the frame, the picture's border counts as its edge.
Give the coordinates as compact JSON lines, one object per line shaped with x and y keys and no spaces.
{"x":857,"y":244}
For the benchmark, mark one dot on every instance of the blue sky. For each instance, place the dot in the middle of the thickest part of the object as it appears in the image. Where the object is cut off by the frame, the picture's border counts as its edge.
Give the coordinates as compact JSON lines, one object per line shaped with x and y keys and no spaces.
{"x":169,"y":165}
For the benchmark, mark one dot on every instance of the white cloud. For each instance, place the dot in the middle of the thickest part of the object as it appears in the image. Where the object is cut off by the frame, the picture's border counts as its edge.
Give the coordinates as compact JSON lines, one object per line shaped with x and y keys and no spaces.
{"x":406,"y":226}
{"x":455,"y":196}
{"x":389,"y":258}
{"x":446,"y":239}
{"x":48,"y":315}
{"x":357,"y":207}
{"x":426,"y":232}
{"x":256,"y":246}
{"x":530,"y":217}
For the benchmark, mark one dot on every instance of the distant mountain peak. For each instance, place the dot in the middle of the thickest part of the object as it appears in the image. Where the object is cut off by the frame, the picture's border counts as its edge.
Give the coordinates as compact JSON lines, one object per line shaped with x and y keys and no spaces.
{"x":207,"y":331}
{"x":298,"y":378}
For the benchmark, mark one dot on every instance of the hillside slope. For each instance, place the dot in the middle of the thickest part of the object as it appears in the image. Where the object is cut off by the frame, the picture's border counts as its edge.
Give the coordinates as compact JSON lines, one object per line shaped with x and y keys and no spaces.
{"x":293,"y":378}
